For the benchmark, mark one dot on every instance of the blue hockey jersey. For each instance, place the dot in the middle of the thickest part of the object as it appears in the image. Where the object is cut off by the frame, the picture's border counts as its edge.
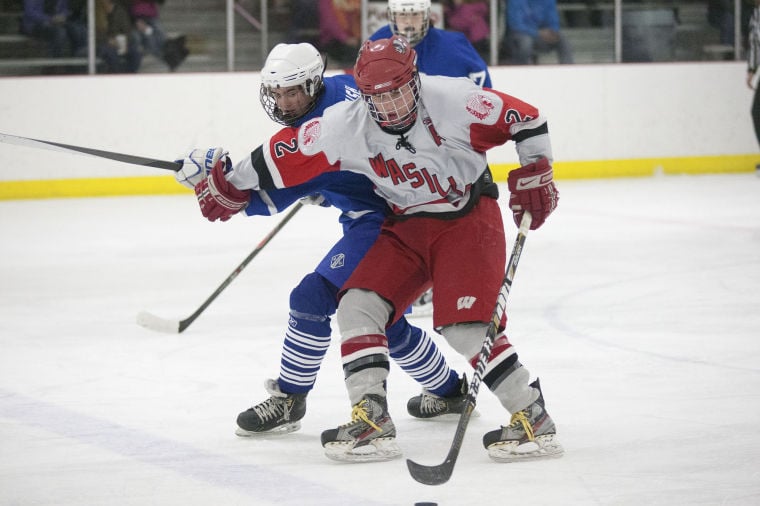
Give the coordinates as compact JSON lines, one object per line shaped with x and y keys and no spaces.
{"x":352,"y":193}
{"x":446,"y":53}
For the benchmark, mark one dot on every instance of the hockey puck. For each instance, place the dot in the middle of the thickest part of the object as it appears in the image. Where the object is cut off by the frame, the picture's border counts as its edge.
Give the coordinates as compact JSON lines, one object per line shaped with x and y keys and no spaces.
{"x":426,"y":504}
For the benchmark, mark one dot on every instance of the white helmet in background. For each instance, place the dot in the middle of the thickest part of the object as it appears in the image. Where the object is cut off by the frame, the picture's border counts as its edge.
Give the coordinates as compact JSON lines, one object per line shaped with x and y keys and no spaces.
{"x":413,"y":34}
{"x":290,"y":65}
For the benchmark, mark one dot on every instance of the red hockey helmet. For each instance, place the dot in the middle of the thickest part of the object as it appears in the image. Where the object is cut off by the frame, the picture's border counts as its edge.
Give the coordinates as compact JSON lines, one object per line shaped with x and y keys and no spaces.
{"x":385,"y":66}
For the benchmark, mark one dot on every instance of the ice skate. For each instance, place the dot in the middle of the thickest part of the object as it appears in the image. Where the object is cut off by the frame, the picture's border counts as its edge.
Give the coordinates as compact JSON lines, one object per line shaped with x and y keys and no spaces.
{"x":430,"y":406}
{"x":370,"y":436}
{"x":531,"y":434}
{"x":423,"y":306}
{"x":280,"y":414}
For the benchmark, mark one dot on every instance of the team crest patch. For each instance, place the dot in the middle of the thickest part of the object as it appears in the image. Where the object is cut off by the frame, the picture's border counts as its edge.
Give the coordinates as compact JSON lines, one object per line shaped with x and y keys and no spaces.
{"x":311,"y":132}
{"x":480,"y":106}
{"x":338,"y":261}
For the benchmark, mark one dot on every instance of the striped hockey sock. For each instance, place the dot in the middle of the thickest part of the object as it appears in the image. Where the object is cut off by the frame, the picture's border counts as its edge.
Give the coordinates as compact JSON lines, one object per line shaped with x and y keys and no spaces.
{"x":417,"y":354}
{"x":306,"y":341}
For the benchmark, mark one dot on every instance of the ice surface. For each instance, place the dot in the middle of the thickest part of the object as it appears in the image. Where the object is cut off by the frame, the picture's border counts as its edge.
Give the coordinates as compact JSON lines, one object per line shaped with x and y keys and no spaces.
{"x":637,"y":304}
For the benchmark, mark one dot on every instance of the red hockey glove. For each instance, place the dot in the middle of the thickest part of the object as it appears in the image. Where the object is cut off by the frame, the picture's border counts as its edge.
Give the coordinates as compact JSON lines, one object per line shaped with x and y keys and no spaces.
{"x":532,"y":189}
{"x":219,"y":200}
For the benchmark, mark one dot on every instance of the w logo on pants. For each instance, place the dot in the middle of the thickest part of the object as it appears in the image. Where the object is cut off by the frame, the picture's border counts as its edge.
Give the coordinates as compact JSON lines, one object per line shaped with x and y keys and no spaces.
{"x":466,"y":302}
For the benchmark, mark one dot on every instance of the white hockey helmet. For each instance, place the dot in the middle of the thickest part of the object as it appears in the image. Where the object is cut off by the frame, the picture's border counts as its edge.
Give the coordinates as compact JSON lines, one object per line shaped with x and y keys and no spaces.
{"x":413,"y":34}
{"x":290,"y":65}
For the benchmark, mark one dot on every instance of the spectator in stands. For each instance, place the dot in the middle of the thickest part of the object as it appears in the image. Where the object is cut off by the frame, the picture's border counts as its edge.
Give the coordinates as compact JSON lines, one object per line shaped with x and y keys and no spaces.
{"x":590,"y":13}
{"x":145,"y":15}
{"x":54,"y":22}
{"x":533,"y":27}
{"x":340,"y":29}
{"x":117,"y":43}
{"x":471,"y":18}
{"x":720,"y":15}
{"x":303,"y":25}
{"x":753,"y":63}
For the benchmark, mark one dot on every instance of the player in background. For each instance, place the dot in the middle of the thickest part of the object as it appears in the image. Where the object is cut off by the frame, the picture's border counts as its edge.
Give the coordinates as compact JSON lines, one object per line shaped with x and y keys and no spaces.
{"x":293,"y":91}
{"x":753,"y":63}
{"x":439,"y":52}
{"x":422,"y":140}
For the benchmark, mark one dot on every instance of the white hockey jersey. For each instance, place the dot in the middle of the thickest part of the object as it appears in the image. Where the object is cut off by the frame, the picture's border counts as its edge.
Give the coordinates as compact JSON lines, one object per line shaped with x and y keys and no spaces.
{"x":431,"y":169}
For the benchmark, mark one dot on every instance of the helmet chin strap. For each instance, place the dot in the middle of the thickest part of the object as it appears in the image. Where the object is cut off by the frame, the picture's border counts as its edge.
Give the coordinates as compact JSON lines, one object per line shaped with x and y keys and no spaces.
{"x":403,"y":142}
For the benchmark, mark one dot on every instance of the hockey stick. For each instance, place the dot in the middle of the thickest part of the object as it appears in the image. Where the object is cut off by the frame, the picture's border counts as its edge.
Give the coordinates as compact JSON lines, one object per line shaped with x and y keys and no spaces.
{"x":154,"y":322}
{"x":144,"y":318}
{"x":78,"y":150}
{"x":437,"y":475}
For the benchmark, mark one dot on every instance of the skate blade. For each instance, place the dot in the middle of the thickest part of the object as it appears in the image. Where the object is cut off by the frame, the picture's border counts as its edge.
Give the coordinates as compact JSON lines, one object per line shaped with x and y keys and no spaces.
{"x":543,"y":447}
{"x":378,"y":450}
{"x":277,"y":431}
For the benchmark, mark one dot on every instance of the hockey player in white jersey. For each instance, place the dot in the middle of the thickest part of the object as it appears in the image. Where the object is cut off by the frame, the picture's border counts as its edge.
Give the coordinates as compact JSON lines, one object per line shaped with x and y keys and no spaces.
{"x":439,"y":53}
{"x":294,"y":90}
{"x":422,"y":140}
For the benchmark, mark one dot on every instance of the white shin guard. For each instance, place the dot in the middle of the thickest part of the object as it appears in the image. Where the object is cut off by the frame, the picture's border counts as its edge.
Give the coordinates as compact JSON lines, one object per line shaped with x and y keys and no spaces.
{"x":360,"y":313}
{"x":513,"y":390}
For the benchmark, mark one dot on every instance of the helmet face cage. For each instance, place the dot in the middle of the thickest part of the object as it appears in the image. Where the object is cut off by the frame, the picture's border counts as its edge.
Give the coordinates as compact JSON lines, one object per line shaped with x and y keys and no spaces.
{"x":269,"y":102}
{"x":386,"y":75}
{"x":290,"y":65}
{"x":408,"y":7}
{"x":396,"y":110}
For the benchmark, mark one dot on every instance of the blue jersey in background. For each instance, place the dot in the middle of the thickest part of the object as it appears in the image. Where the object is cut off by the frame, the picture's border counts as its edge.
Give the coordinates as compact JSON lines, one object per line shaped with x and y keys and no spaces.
{"x":446,"y":53}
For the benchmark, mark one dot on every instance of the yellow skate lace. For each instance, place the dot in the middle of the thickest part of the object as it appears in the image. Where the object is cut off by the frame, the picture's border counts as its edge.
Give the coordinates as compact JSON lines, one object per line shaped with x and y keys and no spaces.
{"x":521,"y":418}
{"x":359,"y":413}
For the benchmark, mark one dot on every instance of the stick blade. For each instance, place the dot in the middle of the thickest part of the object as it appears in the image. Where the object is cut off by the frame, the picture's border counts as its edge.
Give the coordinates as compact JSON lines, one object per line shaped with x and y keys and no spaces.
{"x":431,"y":475}
{"x":153,"y":322}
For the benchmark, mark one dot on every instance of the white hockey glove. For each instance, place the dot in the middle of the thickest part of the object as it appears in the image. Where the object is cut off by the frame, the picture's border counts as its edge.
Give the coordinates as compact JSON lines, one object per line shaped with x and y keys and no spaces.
{"x":315,"y":199}
{"x":197,"y":164}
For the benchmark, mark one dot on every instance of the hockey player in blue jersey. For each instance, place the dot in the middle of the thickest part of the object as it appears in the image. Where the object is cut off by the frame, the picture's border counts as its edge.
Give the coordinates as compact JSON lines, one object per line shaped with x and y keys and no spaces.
{"x":439,"y":52}
{"x":294,"y":90}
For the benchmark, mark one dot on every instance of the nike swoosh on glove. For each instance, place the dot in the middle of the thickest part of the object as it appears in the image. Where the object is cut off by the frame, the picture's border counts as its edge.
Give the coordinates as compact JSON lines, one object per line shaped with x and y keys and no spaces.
{"x":532,"y":189}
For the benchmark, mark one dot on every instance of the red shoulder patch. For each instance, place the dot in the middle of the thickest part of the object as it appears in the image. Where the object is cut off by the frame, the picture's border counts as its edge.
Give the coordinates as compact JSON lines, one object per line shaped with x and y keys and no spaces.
{"x":311,"y":132}
{"x":480,"y":106}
